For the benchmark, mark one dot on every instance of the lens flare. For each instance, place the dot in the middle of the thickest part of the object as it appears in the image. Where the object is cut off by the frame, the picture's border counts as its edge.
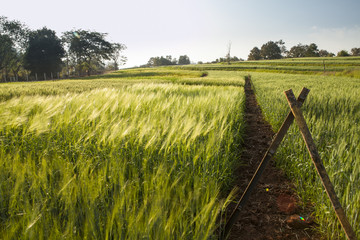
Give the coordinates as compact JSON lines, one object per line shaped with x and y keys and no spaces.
{"x":76,"y":34}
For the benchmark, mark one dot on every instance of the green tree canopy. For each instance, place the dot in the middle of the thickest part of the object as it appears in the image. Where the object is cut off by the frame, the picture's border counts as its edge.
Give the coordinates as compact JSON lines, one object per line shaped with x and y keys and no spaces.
{"x":270,"y":50}
{"x":255,"y":54}
{"x":297,"y":51}
{"x":16,"y":31}
{"x":7,"y":51}
{"x":301,"y":50}
{"x":226,"y":59}
{"x":324,"y":53}
{"x":88,"y":49}
{"x":183,"y":60}
{"x":44,"y":52}
{"x":355,"y":51}
{"x":161,"y":61}
{"x":343,"y":53}
{"x":13,"y":42}
{"x":116,"y":56}
{"x":312,"y":50}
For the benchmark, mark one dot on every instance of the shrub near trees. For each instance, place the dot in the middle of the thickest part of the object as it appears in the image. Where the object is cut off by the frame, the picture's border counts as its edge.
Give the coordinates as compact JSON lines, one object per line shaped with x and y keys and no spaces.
{"x":227,"y":59}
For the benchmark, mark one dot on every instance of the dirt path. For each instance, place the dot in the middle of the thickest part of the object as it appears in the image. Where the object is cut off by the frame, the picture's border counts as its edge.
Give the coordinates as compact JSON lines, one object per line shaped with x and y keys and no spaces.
{"x":272,"y":211}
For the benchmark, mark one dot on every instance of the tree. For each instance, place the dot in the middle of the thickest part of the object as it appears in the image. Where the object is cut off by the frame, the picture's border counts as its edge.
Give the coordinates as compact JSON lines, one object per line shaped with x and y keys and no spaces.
{"x":255,"y":54}
{"x":16,"y":31}
{"x":298,"y":51}
{"x":44,"y":52}
{"x":228,"y":56}
{"x":236,"y":59}
{"x":270,"y":50}
{"x":301,"y":50}
{"x":324,"y":53}
{"x":88,"y":49}
{"x":343,"y":53}
{"x":312,"y":50}
{"x":355,"y":51}
{"x":116,"y":56}
{"x":13,"y":41}
{"x":183,"y":60}
{"x":161,"y":61}
{"x":225,"y":59}
{"x":282,"y":47}
{"x":7,"y":51}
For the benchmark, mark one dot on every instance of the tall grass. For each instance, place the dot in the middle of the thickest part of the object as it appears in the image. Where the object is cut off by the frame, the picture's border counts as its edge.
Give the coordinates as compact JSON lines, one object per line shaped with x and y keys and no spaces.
{"x":120,"y":79}
{"x":332,"y":112}
{"x":140,"y":161}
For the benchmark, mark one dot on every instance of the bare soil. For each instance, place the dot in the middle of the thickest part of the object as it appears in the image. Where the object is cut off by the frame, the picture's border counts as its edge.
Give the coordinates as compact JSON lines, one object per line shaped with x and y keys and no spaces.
{"x":274,"y":210}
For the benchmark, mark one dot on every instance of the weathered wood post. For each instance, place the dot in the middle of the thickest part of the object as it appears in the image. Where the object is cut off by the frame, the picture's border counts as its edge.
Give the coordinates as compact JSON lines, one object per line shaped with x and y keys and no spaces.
{"x":305,"y":132}
{"x":268,"y":155}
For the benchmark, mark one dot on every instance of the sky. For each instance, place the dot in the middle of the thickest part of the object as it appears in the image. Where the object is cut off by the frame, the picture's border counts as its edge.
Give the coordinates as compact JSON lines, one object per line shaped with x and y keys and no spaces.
{"x":200,"y":29}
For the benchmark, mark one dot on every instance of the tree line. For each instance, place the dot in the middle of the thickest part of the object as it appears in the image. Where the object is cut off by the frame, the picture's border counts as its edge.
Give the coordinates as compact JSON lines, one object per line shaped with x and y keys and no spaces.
{"x":277,"y":50}
{"x":166,"y":61}
{"x":40,"y":54}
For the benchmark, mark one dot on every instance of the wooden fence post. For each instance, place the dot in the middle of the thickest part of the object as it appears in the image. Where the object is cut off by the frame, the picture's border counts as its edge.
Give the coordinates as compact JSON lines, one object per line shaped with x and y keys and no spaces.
{"x":305,"y":132}
{"x":268,"y":155}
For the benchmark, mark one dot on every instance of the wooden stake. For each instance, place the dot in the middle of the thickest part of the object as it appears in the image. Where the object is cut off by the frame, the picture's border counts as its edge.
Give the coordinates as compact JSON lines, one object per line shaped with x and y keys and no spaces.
{"x":268,"y":155}
{"x":300,"y":120}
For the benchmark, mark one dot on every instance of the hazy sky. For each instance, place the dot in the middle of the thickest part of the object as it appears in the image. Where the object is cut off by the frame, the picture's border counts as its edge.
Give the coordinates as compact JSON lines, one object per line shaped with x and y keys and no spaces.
{"x":200,"y":29}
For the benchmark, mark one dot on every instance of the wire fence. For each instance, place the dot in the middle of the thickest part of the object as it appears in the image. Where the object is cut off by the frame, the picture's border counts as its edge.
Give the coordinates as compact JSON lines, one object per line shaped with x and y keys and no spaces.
{"x":44,"y":76}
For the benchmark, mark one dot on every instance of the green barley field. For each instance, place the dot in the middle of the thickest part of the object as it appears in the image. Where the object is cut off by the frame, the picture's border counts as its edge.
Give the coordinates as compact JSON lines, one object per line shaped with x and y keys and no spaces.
{"x":332,"y":111}
{"x":149,"y":153}
{"x":137,"y":154}
{"x":339,"y":66}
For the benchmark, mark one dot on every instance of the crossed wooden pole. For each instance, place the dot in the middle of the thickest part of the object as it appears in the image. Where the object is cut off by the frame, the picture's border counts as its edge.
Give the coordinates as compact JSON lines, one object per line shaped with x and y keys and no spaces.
{"x":299,"y":118}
